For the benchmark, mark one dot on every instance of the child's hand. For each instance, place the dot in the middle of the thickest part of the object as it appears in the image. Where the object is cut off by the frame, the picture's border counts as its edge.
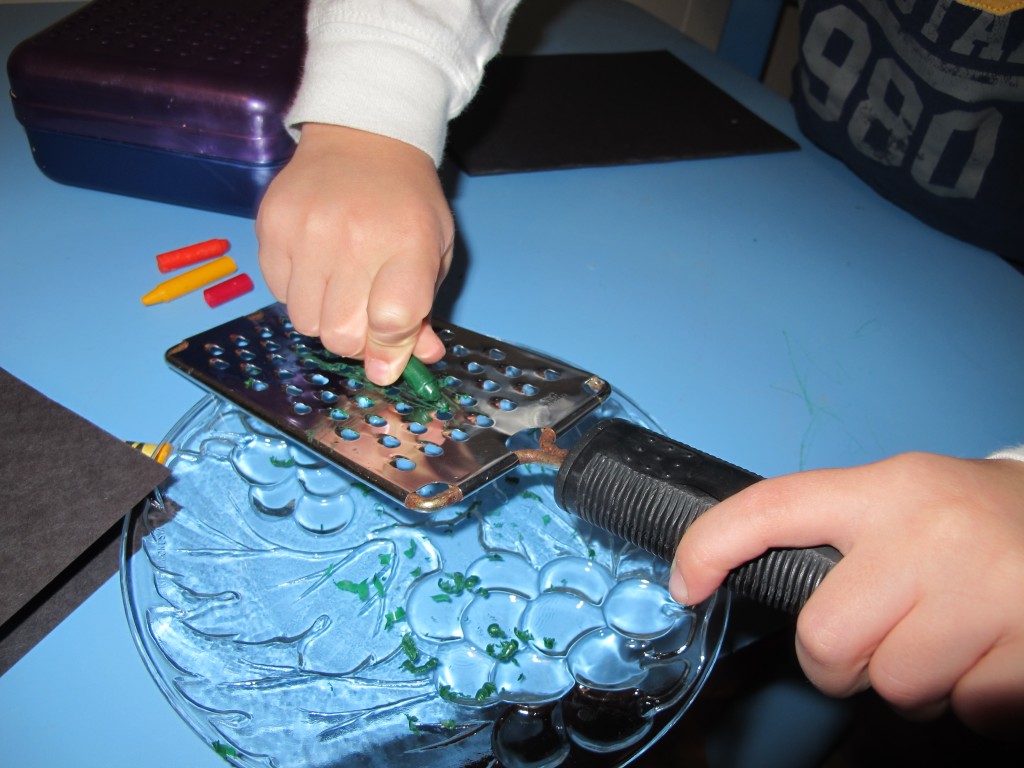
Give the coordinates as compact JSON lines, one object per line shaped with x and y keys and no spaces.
{"x":927,"y":605}
{"x":355,"y":236}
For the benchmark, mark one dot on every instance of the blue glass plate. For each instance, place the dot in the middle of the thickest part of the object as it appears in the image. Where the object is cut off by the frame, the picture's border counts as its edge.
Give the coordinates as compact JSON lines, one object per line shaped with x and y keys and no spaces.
{"x":294,"y":617}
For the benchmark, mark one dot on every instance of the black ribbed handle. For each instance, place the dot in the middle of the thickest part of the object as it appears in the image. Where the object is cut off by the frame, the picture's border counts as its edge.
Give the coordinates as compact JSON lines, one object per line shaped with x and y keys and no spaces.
{"x":649,"y":489}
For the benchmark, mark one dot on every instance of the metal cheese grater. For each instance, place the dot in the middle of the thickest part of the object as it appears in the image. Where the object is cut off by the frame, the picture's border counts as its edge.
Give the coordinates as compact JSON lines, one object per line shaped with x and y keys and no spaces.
{"x":424,"y":454}
{"x":498,"y":406}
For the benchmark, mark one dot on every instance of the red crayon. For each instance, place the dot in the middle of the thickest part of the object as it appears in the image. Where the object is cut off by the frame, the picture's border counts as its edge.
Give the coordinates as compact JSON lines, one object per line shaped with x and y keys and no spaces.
{"x":232,"y":288}
{"x":191,"y":254}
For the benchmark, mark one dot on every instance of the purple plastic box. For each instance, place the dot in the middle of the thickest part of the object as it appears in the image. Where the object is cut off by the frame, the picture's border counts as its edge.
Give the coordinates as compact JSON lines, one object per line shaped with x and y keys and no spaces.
{"x":179,"y":101}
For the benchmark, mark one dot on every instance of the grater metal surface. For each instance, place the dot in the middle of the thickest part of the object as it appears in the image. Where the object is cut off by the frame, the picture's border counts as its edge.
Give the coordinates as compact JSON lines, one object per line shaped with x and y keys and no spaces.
{"x":498,"y":403}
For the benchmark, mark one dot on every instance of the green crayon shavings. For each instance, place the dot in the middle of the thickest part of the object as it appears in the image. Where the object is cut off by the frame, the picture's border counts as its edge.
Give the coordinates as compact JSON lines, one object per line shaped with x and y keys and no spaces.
{"x":504,"y":651}
{"x":419,"y":669}
{"x":360,"y":590}
{"x":446,"y":693}
{"x":282,"y":463}
{"x":412,"y":723}
{"x":454,"y":584}
{"x":224,"y":750}
{"x":393,"y":617}
{"x":424,"y":394}
{"x":412,"y":654}
{"x":486,"y":691}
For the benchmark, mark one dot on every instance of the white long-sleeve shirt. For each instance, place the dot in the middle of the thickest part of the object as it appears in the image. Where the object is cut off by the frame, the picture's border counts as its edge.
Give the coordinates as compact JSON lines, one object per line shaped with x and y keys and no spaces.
{"x":399,"y":69}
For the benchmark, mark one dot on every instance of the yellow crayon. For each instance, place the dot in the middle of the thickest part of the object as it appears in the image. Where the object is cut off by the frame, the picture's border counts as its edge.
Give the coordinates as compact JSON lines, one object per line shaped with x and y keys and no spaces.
{"x":156,"y":451}
{"x":191,"y":280}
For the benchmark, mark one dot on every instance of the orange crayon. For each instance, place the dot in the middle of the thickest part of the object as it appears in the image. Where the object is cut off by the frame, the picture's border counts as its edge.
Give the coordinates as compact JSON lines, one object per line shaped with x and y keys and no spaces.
{"x":191,"y":254}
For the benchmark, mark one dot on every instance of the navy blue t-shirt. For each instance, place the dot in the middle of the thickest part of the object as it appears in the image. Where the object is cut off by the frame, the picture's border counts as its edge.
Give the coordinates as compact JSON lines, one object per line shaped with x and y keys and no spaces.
{"x":924,"y":99}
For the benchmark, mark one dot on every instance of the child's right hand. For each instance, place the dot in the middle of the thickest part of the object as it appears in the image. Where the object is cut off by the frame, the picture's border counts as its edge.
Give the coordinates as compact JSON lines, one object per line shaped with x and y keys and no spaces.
{"x":355,"y":236}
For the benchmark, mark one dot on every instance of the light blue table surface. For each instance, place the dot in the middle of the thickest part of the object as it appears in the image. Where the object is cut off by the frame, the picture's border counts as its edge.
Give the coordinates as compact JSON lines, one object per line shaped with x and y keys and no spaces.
{"x":771,"y":310}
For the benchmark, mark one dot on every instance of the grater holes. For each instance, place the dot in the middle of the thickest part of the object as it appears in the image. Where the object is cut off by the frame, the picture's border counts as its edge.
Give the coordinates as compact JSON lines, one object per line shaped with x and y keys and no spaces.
{"x":523,"y":388}
{"x":549,"y":374}
{"x":219,"y":364}
{"x":472,"y":366}
{"x":495,"y":354}
{"x":214,"y":349}
{"x":431,"y":449}
{"x":510,"y":371}
{"x":416,"y":428}
{"x":488,"y":385}
{"x":389,"y":441}
{"x":402,"y":464}
{"x":430,"y":490}
{"x":504,"y":404}
{"x":460,"y":351}
{"x":375,"y":420}
{"x":301,"y":409}
{"x":337,"y":414}
{"x":347,"y":433}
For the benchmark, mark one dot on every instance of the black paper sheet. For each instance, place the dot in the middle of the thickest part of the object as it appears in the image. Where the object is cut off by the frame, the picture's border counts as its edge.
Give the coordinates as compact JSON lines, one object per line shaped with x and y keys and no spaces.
{"x":561,"y":111}
{"x":65,"y":486}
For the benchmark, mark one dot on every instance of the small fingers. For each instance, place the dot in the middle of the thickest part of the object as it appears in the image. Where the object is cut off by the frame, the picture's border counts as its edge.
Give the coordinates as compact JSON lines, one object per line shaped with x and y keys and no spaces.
{"x":400,"y":300}
{"x":990,"y":697}
{"x":780,"y":512}
{"x":847,"y":618}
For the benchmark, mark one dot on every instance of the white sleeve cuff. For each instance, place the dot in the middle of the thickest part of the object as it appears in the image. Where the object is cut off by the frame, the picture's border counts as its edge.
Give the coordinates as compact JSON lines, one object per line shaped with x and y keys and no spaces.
{"x":378,"y":88}
{"x":1016,"y":452}
{"x":399,"y":70}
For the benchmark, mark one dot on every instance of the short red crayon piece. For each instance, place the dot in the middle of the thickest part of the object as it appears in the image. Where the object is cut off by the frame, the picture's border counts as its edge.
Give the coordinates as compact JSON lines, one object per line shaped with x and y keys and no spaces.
{"x":230,"y":289}
{"x":192,"y":254}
